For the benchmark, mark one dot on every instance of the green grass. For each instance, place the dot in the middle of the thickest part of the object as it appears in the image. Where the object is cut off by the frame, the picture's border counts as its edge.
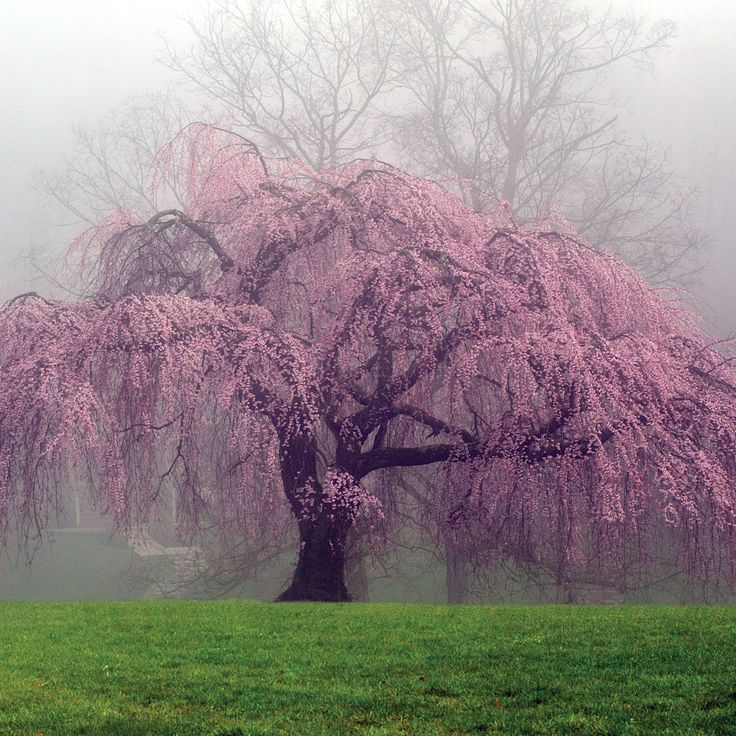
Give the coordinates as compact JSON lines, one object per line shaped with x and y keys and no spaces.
{"x":237,"y":668}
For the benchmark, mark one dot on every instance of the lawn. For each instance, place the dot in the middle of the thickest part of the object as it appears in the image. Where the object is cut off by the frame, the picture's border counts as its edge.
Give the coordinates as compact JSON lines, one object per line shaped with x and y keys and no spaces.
{"x":235,"y":667}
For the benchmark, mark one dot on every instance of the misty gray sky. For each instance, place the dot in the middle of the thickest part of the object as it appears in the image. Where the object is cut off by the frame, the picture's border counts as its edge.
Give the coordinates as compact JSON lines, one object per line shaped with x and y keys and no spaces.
{"x":64,"y":63}
{"x":72,"y":61}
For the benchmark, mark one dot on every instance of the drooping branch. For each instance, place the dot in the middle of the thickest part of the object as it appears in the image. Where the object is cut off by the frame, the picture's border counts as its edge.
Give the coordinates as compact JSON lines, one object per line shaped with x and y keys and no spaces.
{"x":161,"y":221}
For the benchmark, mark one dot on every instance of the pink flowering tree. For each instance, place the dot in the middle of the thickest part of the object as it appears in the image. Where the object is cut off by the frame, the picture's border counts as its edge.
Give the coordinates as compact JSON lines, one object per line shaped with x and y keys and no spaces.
{"x":302,"y":336}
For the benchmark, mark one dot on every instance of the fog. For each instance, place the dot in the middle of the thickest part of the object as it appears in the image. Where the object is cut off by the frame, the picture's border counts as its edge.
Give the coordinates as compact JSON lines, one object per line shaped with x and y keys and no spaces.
{"x":689,"y":102}
{"x":72,"y":62}
{"x":65,"y":64}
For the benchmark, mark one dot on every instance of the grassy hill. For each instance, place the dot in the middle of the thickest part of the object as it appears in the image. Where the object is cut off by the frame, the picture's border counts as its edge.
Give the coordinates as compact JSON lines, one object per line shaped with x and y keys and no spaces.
{"x":240,"y":668}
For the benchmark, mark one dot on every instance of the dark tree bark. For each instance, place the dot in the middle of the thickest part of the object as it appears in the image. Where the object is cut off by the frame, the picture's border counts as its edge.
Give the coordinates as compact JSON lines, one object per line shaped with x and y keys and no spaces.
{"x":320,"y":569}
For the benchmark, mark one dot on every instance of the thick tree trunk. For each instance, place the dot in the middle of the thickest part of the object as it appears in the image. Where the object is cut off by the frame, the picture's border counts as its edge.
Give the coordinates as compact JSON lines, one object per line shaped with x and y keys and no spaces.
{"x":323,"y":527}
{"x":456,"y":577}
{"x":320,"y":569}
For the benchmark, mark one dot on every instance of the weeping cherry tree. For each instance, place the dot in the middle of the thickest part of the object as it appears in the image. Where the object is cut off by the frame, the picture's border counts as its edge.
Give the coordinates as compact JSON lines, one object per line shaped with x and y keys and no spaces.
{"x":302,"y":336}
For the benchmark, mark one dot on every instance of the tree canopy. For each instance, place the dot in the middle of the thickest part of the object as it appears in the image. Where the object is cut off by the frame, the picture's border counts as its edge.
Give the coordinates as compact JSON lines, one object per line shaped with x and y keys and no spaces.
{"x":302,"y":334}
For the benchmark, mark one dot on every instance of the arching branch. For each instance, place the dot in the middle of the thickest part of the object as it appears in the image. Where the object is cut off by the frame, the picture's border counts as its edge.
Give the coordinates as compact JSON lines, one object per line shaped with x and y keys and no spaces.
{"x":168,"y":218}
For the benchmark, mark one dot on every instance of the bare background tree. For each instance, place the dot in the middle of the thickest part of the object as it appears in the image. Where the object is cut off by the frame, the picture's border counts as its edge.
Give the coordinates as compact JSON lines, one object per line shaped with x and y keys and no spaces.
{"x":512,"y":97}
{"x":300,"y":79}
{"x":111,"y":163}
